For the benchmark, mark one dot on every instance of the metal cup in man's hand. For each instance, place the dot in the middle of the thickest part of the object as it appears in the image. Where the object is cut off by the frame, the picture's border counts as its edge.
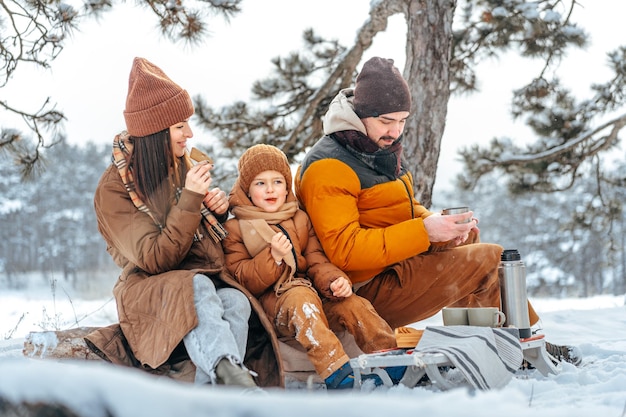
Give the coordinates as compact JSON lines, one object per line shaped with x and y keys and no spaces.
{"x":457,"y":210}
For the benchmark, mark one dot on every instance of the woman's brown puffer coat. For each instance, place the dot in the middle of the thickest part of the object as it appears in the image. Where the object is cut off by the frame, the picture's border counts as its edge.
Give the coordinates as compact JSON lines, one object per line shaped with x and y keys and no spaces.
{"x":154,"y":292}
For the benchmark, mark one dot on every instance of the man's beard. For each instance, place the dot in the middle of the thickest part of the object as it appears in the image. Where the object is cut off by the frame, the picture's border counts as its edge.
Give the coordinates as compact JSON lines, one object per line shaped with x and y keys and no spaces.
{"x":387,"y":138}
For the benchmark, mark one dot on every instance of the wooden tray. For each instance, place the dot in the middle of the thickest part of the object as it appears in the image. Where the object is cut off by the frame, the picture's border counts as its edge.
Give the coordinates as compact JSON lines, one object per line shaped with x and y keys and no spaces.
{"x":407,"y":337}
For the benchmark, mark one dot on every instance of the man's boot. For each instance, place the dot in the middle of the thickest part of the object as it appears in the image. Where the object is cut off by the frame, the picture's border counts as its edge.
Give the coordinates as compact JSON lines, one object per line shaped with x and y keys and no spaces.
{"x":229,"y":373}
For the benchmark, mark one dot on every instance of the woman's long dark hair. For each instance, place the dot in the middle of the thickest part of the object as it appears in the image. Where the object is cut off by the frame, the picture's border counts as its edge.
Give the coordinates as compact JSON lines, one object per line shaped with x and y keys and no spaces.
{"x":153,"y":166}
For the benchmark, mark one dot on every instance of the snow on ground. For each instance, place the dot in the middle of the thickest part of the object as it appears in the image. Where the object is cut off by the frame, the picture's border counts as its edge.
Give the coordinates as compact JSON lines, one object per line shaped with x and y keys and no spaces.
{"x":596,"y":325}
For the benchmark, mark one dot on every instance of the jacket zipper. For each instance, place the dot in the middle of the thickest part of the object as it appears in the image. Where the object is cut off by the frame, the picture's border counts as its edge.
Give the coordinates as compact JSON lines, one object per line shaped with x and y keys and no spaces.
{"x":408,"y":193}
{"x":293,"y":247}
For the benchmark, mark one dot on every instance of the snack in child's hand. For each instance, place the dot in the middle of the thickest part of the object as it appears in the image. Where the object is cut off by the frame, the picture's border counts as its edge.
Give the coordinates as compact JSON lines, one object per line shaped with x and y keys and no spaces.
{"x":199,"y":156}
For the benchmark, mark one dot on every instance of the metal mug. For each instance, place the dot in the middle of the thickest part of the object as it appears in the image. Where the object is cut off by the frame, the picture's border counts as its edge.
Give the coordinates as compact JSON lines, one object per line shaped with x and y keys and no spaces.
{"x":456,"y":210}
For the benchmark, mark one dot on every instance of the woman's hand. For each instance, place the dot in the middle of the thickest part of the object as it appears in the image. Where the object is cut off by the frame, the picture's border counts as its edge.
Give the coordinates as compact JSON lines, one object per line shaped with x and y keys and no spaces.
{"x":199,"y":178}
{"x":216,"y":201}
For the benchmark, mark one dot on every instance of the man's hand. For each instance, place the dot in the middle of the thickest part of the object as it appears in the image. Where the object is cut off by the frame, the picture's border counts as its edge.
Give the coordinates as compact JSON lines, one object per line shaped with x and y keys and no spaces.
{"x":445,"y":228}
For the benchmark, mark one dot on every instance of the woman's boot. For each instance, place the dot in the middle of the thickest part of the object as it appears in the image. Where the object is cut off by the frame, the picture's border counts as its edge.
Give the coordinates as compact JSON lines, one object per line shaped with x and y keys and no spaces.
{"x":229,"y":373}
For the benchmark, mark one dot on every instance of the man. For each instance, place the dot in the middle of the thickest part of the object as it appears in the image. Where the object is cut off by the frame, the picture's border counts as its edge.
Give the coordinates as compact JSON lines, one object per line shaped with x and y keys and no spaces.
{"x":409,"y":262}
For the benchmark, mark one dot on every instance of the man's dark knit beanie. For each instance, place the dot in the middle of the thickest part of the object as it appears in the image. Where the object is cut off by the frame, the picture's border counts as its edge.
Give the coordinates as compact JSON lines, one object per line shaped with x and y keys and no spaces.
{"x":380,"y":89}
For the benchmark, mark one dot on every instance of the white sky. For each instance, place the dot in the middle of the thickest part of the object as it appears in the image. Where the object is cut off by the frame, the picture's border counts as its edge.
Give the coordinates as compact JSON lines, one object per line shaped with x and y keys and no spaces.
{"x":89,"y":79}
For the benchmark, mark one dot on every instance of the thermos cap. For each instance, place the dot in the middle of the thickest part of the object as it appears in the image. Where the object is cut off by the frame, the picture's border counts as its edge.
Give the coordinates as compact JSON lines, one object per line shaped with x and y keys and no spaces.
{"x":510,"y":255}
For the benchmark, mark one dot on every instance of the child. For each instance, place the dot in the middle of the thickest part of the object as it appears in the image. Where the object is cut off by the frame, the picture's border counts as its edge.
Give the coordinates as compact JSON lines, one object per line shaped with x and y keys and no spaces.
{"x":273,"y":251}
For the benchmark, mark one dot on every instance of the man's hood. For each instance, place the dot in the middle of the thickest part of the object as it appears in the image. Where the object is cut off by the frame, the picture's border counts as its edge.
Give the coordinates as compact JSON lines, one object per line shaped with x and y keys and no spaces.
{"x":341,"y":116}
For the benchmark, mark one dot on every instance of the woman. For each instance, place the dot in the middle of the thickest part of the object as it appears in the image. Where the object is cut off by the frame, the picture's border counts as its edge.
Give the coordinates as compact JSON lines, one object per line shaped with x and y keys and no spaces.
{"x":160,"y":220}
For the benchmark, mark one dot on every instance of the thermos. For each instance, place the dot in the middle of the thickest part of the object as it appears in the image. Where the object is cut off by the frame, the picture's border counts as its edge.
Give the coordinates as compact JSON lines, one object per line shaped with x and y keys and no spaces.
{"x":512,"y":275}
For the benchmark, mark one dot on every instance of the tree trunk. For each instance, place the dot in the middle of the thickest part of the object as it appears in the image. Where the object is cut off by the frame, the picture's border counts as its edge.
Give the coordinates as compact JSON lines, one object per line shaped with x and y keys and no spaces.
{"x":63,"y":344}
{"x":427,"y":69}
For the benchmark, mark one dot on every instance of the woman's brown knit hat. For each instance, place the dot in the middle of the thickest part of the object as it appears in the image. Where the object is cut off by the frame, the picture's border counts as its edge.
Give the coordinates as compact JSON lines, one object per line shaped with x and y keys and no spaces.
{"x":259,"y":158}
{"x":154,"y":102}
{"x":380,"y":89}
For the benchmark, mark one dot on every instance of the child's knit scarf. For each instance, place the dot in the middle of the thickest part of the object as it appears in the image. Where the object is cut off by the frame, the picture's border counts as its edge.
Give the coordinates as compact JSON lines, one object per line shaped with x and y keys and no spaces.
{"x":256,"y":232}
{"x":122,"y":149}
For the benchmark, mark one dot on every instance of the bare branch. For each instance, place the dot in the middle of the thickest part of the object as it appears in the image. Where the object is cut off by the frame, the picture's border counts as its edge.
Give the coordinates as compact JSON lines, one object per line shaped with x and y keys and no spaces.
{"x":602,"y":143}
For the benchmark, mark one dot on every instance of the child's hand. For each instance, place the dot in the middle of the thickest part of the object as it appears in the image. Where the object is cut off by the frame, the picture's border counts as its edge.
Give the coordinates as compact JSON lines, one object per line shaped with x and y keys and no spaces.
{"x":280,"y":246}
{"x":341,"y":287}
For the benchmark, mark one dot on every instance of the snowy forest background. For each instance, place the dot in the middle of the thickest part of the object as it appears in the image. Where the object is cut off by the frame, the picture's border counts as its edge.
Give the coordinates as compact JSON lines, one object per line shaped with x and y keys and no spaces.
{"x":48,"y":229}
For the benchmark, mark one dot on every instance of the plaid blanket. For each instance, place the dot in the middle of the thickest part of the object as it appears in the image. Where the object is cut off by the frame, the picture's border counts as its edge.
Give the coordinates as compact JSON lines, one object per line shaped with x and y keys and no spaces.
{"x":487,"y":357}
